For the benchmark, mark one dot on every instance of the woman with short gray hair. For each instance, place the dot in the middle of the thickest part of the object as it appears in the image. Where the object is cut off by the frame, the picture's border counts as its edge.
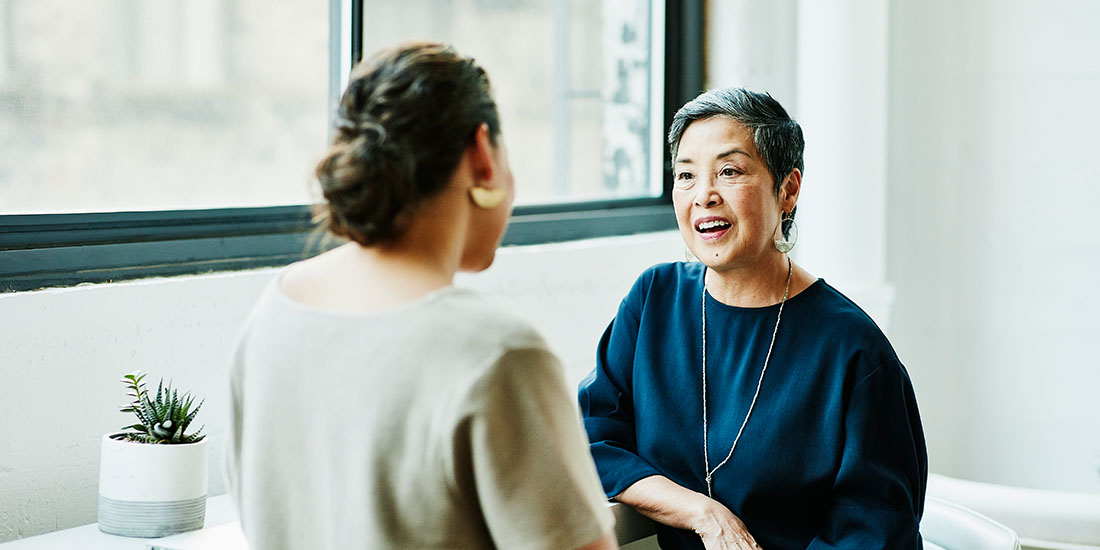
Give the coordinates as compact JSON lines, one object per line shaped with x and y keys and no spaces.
{"x":738,"y":400}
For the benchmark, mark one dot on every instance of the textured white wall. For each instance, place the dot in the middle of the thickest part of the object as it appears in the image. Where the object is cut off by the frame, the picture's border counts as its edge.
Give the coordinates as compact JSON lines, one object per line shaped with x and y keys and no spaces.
{"x":994,"y":127}
{"x":62,"y":352}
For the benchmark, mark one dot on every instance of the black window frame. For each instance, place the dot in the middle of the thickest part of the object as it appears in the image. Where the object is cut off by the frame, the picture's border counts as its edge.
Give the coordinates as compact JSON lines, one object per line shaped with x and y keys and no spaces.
{"x":51,"y":250}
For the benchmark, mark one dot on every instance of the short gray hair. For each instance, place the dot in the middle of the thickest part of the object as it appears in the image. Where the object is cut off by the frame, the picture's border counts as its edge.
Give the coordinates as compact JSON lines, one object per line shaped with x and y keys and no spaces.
{"x":777,"y":137}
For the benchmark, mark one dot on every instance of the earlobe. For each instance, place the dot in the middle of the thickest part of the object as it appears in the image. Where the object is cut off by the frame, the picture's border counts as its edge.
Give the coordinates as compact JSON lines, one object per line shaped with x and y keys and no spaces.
{"x":483,"y":166}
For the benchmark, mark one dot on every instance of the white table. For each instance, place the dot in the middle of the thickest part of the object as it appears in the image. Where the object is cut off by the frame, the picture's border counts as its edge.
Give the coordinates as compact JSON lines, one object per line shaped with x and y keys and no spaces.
{"x":219,"y":511}
{"x":629,"y":527}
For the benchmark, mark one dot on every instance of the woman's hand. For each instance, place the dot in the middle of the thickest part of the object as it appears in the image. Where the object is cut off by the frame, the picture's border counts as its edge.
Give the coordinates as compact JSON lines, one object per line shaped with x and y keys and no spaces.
{"x":720,"y":529}
{"x":662,"y":500}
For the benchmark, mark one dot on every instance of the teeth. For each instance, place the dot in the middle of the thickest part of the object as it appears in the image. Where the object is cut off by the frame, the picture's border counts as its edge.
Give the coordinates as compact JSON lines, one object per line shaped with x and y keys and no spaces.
{"x":711,"y":224}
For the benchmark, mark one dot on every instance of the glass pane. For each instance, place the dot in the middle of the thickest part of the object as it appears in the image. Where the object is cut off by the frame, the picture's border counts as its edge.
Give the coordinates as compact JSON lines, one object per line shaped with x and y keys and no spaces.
{"x":114,"y":105}
{"x":572,"y":78}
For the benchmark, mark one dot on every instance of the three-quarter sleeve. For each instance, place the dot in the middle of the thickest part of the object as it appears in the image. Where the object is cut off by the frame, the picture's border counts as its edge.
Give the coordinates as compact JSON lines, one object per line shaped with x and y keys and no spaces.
{"x":607,"y":405}
{"x":527,"y":459}
{"x":878,"y":496}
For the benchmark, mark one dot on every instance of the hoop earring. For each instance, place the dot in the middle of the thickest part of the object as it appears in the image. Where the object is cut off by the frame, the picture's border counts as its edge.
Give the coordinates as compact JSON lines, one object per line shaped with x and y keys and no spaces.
{"x":784,"y":244}
{"x":486,"y":198}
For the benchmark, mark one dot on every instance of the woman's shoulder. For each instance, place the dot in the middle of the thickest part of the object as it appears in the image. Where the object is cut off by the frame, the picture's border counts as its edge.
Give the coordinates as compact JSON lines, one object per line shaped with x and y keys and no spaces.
{"x":668,"y":275}
{"x":838,"y":318}
{"x":673,"y":271}
{"x":477,"y":318}
{"x":825,"y":300}
{"x":449,"y":314}
{"x":501,"y":349}
{"x":476,"y":340}
{"x":659,"y":284}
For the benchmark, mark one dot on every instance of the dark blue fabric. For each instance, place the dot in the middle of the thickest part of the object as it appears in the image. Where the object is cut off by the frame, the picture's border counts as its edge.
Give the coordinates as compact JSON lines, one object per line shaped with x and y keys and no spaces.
{"x":834,"y":453}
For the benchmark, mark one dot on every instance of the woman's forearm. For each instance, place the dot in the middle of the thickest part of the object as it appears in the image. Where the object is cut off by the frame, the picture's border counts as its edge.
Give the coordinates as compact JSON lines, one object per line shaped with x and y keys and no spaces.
{"x":664,"y":501}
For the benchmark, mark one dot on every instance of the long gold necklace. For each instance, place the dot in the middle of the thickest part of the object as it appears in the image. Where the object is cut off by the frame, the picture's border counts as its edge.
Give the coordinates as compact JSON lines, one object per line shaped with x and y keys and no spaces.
{"x":760,"y":382}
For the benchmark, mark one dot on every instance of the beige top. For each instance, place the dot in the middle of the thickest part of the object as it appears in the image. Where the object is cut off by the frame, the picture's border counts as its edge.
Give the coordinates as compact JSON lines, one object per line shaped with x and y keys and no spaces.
{"x":445,"y":423}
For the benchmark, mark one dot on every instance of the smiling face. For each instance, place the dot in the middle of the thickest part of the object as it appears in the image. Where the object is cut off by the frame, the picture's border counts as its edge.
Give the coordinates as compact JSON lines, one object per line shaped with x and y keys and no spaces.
{"x":724,"y":196}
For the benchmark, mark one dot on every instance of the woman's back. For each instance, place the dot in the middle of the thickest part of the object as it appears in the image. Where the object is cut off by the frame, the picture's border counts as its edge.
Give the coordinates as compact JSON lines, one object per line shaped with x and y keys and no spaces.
{"x":442,"y":423}
{"x":373,"y":404}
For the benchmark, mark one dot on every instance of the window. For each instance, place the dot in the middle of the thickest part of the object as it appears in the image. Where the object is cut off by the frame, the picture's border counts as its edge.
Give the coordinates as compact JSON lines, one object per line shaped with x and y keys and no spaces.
{"x":573,"y":80}
{"x":179,"y":137}
{"x":109,"y":105}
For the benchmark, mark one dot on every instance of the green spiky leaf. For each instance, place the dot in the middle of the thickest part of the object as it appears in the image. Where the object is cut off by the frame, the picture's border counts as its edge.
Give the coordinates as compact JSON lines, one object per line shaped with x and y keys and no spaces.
{"x":164,"y":417}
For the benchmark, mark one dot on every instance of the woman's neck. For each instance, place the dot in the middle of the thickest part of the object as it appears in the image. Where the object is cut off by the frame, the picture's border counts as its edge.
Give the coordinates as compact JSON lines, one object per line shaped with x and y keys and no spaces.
{"x":356,"y":278}
{"x":405,"y":267}
{"x":755,"y":286}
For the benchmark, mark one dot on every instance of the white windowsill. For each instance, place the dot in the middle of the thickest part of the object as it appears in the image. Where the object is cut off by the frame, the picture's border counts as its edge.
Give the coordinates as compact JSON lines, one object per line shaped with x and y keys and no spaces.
{"x":219,"y":511}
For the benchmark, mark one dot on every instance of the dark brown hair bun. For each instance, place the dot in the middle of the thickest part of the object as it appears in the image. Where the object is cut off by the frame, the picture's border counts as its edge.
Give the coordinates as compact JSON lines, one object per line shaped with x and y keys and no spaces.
{"x":403,"y":122}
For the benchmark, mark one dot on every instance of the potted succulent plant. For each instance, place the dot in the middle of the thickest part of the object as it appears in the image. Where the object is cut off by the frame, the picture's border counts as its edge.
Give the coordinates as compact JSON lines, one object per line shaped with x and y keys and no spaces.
{"x":153,"y":475}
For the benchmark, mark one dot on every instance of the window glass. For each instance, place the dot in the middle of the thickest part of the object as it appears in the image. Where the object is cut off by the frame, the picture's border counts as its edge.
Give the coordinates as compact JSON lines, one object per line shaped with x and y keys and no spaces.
{"x":115,"y":105}
{"x":573,"y":80}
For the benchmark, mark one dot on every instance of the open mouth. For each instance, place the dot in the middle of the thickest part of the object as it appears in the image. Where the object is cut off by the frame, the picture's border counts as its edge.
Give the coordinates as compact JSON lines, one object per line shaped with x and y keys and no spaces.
{"x":711,"y":227}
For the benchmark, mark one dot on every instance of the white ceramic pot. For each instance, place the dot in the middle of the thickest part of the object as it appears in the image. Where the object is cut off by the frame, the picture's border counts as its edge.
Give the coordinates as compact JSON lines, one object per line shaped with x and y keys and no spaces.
{"x":151,"y":489}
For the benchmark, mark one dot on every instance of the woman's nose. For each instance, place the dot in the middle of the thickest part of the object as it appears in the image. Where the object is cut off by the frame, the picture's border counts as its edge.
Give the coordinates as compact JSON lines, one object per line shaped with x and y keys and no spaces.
{"x":706,"y":195}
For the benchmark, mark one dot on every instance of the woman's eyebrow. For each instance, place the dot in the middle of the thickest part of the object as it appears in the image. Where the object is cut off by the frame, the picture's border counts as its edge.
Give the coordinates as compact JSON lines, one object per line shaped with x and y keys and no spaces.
{"x":684,"y":160}
{"x":732,"y":152}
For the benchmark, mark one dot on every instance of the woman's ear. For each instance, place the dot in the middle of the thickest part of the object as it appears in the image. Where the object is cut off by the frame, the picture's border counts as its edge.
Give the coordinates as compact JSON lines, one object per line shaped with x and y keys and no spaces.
{"x":481,"y":155}
{"x":788,"y":192}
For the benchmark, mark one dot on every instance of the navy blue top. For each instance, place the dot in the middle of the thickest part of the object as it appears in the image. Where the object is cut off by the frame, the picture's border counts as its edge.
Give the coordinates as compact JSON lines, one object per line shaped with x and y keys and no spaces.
{"x":833,"y":455}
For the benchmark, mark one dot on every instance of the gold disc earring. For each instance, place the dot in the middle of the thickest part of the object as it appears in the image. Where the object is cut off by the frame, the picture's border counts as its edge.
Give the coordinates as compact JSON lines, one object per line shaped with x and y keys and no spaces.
{"x":487,"y":198}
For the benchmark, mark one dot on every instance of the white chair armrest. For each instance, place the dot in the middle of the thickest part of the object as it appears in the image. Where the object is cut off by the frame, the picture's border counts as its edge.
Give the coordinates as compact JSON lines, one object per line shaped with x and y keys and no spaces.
{"x":1042,"y":518}
{"x":954,"y":527}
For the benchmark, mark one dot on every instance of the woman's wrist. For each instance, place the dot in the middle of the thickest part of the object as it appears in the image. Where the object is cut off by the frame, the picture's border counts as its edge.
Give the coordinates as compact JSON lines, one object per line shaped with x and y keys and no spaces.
{"x":708,"y":516}
{"x":664,"y":501}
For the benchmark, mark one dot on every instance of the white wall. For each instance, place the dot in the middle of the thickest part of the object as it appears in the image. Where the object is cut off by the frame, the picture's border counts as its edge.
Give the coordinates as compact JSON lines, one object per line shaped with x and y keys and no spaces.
{"x":994,"y":127}
{"x":62,"y":352}
{"x":754,"y":44}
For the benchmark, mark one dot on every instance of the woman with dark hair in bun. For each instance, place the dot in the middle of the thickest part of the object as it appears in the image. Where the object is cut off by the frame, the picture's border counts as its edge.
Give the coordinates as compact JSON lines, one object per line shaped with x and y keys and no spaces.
{"x":374,"y":404}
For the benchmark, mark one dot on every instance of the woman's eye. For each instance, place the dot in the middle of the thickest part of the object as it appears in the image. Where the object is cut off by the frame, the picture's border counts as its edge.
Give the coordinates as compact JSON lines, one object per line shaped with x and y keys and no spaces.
{"x":684,"y":180}
{"x":729,"y":172}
